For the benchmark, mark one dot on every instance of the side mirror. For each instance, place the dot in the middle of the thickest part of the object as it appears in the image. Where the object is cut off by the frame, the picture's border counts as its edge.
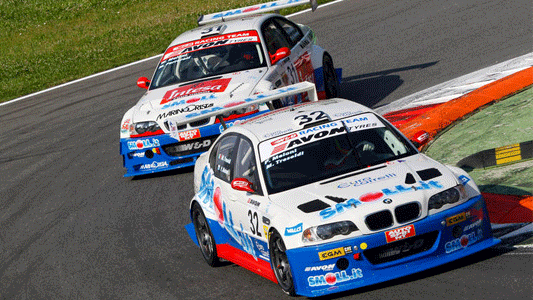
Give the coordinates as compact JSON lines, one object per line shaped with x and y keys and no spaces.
{"x":242,"y":184}
{"x":280,"y":54}
{"x":143,"y":82}
{"x":420,"y":138}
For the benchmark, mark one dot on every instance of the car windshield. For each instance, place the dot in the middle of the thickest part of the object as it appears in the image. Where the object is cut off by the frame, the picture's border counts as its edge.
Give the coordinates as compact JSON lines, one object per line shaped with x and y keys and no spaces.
{"x":330,"y":150}
{"x":209,"y":57}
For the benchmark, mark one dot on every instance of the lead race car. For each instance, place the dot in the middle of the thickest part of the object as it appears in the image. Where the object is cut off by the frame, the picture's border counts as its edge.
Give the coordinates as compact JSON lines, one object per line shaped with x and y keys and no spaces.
{"x":231,"y":54}
{"x":328,"y":196}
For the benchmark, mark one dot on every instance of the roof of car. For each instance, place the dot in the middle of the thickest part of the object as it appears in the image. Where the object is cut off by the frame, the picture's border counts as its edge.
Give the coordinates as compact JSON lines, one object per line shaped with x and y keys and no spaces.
{"x":282,"y":121}
{"x":241,"y":24}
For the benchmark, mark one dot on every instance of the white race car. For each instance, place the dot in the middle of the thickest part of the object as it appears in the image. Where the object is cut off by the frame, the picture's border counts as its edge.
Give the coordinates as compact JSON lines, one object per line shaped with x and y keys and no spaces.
{"x":232,"y":54}
{"x":328,"y":196}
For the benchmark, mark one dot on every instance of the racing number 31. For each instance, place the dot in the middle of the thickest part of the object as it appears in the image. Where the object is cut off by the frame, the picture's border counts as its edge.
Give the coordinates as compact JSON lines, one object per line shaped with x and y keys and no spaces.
{"x":254,"y":222}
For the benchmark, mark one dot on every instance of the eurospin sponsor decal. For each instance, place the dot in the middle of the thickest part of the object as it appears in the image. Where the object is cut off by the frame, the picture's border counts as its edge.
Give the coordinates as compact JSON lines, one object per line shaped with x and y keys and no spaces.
{"x":226,"y":39}
{"x":141,"y":144}
{"x":212,"y":86}
{"x":334,"y":278}
{"x":373,"y":196}
{"x":254,"y":8}
{"x":293,"y":230}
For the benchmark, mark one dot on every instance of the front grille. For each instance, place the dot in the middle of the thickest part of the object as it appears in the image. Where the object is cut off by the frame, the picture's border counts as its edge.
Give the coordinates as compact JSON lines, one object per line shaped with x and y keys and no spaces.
{"x":189,"y":147}
{"x":401,"y":249}
{"x":379,"y":220}
{"x":407,"y":212}
{"x":192,"y":124}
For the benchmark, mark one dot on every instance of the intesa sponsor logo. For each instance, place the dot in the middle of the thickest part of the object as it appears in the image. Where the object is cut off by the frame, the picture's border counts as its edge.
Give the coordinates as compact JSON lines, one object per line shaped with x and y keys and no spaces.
{"x":212,"y":86}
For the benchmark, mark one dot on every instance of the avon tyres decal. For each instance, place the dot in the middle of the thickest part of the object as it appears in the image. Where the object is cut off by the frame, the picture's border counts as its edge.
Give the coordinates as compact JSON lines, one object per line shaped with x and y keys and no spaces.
{"x":226,"y":39}
{"x":334,"y":278}
{"x":212,"y":86}
{"x":270,"y":148}
{"x":362,"y":122}
{"x":373,"y":196}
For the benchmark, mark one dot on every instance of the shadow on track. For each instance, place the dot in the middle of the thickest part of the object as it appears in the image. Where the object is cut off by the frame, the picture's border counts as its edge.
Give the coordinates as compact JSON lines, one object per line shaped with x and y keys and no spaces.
{"x":369,"y":89}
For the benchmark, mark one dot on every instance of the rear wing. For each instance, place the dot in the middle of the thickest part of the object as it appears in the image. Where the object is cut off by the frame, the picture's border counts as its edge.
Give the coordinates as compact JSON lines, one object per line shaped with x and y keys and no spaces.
{"x":218,"y":107}
{"x":252,"y":10}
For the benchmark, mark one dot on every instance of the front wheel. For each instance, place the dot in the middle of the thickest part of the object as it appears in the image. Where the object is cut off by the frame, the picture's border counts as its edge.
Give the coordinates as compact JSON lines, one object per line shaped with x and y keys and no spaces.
{"x":280,"y":263}
{"x":204,"y":236}
{"x":331,"y":83}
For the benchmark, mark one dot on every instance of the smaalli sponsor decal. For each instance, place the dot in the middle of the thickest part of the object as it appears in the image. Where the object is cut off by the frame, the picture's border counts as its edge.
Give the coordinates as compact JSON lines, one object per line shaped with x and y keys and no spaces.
{"x":464,"y":241}
{"x":333,"y":278}
{"x":142,"y":144}
{"x":373,"y":196}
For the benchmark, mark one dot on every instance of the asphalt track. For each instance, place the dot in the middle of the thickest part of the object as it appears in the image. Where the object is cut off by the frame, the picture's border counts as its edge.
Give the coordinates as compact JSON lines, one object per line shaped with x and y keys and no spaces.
{"x":71,"y":227}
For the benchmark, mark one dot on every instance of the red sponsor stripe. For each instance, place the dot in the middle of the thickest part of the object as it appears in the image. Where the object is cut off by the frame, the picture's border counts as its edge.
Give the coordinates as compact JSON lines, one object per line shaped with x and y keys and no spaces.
{"x":247,"y":261}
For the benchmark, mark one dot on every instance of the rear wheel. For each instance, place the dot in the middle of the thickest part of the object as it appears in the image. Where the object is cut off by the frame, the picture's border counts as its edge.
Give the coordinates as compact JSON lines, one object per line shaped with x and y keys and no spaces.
{"x":331,"y":83}
{"x":204,"y":236}
{"x":280,"y":263}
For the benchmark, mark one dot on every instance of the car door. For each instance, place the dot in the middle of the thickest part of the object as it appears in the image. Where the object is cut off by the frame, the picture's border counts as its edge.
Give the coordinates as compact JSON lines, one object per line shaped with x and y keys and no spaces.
{"x":249,"y":205}
{"x":279,"y":34}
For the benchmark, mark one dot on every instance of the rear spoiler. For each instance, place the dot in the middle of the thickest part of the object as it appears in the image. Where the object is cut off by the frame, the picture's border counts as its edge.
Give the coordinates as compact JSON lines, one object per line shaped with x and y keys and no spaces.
{"x":252,"y":10}
{"x":218,"y":107}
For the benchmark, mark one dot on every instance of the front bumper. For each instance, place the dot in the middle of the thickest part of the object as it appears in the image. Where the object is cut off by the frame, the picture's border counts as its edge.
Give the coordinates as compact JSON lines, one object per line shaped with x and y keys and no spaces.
{"x":157,"y":153}
{"x":361,"y":261}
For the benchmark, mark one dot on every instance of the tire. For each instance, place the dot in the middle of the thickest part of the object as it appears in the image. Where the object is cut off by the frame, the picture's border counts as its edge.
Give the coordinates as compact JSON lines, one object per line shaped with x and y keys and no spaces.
{"x":204,"y":236}
{"x":280,"y":263}
{"x":331,"y":82}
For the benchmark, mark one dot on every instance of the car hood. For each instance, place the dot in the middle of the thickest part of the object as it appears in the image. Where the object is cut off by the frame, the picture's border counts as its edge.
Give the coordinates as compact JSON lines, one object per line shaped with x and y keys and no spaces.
{"x":162,"y":103}
{"x":353,"y":197}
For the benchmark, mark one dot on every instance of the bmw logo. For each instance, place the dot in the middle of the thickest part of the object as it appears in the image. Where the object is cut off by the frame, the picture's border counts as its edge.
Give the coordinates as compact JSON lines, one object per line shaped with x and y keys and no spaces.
{"x":387,"y":201}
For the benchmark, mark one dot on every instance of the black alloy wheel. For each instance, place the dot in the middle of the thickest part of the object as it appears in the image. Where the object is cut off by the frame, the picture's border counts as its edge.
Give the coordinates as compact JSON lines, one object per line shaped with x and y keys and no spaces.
{"x":280,"y":263}
{"x":204,"y":236}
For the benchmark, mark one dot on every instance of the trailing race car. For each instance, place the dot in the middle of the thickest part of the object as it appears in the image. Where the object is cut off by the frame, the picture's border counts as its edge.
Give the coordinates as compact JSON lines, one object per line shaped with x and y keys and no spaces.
{"x":328,"y":196}
{"x":231,"y":55}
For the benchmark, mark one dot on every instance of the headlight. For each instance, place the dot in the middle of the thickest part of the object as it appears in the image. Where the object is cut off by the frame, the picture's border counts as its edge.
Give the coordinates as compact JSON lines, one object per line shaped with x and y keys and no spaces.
{"x":145,"y":128}
{"x":327,"y":231}
{"x":448,"y":196}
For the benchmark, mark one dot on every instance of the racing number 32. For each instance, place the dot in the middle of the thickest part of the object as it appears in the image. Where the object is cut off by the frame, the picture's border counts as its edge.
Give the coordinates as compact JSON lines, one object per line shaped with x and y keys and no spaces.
{"x":254,"y":222}
{"x":312,"y":117}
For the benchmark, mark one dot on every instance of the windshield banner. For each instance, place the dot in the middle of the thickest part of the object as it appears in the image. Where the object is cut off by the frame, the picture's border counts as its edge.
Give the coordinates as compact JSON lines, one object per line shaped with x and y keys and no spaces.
{"x":210,"y":42}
